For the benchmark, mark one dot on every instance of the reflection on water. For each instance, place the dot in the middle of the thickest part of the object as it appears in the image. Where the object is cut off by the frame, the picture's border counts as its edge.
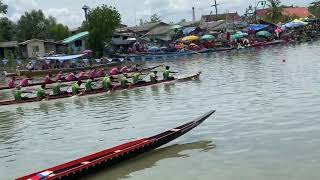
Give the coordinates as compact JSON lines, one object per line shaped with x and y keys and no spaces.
{"x":150,"y":159}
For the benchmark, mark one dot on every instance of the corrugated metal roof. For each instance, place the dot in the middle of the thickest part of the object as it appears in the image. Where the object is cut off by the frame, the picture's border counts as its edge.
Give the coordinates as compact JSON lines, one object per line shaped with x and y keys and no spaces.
{"x":9,"y":44}
{"x":75,"y":37}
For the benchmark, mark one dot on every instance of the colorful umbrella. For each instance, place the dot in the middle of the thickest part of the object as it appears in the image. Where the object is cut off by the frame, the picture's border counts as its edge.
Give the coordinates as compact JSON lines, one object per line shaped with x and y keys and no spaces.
{"x":190,"y":38}
{"x":207,"y":37}
{"x":264,"y":34}
{"x":236,"y":36}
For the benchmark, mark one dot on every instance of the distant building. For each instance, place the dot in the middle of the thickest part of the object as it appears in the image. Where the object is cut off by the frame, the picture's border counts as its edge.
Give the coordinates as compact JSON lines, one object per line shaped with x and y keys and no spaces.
{"x":37,"y":48}
{"x":230,"y":16}
{"x":76,"y":43}
{"x":10,"y":46}
{"x":300,"y":12}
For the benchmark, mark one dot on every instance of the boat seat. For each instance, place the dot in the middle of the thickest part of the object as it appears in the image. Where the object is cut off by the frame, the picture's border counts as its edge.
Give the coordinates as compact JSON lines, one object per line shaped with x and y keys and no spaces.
{"x":85,"y":162}
{"x":175,"y":130}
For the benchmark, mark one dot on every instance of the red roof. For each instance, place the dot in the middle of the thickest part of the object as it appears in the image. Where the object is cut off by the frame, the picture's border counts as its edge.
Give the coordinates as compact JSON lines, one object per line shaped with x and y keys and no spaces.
{"x":301,"y":12}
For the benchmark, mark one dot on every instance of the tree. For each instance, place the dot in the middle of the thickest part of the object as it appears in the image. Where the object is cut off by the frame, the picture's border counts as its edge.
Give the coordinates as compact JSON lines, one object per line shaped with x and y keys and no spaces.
{"x":3,"y":8}
{"x":33,"y":25}
{"x":59,"y":32}
{"x":314,"y":8}
{"x":102,"y":21}
{"x":274,"y":13}
{"x":155,"y":18}
{"x":7,"y":29}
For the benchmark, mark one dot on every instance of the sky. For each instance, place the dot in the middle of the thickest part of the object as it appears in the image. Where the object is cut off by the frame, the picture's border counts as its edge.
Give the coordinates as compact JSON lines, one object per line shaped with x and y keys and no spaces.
{"x":69,"y":12}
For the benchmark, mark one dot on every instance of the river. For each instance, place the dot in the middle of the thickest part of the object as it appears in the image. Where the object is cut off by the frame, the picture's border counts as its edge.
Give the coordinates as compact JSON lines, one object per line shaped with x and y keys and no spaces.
{"x":267,"y":124}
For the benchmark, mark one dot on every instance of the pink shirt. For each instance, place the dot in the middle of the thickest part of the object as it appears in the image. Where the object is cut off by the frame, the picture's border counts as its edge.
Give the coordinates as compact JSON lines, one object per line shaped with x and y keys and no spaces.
{"x":70,"y":77}
{"x":58,"y":77}
{"x":114,"y":71}
{"x":11,"y":83}
{"x":47,"y":79}
{"x":124,"y":70}
{"x":24,"y":82}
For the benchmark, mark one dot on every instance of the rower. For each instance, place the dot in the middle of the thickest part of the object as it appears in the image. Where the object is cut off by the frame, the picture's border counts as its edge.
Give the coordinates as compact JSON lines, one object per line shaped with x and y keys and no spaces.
{"x":82,"y":75}
{"x":18,"y":94}
{"x":93,"y":74}
{"x":135,"y":68}
{"x":41,"y":94}
{"x":136,"y":77}
{"x":59,"y":76}
{"x":107,"y":83}
{"x":124,"y":69}
{"x":88,"y":85}
{"x":47,"y":79}
{"x":115,"y":71}
{"x":166,"y":74}
{"x":101,"y":73}
{"x":57,"y":88}
{"x":24,"y":82}
{"x":11,"y":82}
{"x":124,"y":81}
{"x":71,"y":77}
{"x":154,"y":77}
{"x":76,"y":88}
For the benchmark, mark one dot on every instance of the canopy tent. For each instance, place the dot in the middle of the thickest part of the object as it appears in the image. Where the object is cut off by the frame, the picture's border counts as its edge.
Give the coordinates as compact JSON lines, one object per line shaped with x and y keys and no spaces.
{"x":257,"y":27}
{"x":64,"y":58}
{"x":293,"y":24}
{"x":190,"y":38}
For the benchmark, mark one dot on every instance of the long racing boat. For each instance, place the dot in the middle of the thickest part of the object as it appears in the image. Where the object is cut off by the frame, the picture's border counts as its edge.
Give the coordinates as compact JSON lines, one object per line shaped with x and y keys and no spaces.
{"x":97,"y":91}
{"x":106,"y":158}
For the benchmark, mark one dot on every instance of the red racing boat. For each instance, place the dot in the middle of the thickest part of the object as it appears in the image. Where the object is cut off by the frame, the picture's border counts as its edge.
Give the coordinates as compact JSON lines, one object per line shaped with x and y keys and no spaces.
{"x":109,"y":157}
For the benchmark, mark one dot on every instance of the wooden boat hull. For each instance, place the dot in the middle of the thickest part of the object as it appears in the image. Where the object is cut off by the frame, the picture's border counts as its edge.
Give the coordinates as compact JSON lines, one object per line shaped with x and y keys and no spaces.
{"x":109,"y":157}
{"x":97,"y":91}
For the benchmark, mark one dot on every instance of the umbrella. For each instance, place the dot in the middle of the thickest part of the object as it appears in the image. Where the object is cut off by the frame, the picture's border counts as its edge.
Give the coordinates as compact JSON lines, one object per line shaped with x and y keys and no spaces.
{"x":299,"y":21}
{"x":207,"y":37}
{"x":190,"y":38}
{"x":264,"y":34}
{"x":236,"y":36}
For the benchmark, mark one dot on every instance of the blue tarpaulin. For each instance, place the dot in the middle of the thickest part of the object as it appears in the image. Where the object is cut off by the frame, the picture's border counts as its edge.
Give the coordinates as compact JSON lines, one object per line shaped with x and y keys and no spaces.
{"x":188,"y":30}
{"x":256,"y":27}
{"x":64,"y":58}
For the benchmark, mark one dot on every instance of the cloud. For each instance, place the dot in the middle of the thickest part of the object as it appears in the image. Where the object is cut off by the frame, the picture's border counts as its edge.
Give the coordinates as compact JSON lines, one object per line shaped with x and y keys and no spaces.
{"x":66,"y":16}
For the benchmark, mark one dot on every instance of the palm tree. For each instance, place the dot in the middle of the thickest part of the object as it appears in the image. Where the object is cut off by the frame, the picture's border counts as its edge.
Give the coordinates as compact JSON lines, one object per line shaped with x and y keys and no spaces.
{"x":274,"y":13}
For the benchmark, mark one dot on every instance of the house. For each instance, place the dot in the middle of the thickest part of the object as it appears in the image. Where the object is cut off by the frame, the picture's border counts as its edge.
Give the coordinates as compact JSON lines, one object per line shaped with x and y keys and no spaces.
{"x":300,"y":12}
{"x":10,"y":46}
{"x":227,"y":16}
{"x":37,"y":48}
{"x":189,"y":24}
{"x":76,"y":43}
{"x":163,"y":33}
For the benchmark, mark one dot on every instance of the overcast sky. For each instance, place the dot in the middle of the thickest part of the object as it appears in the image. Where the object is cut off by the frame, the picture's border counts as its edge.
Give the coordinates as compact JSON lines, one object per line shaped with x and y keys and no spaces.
{"x":70,"y":13}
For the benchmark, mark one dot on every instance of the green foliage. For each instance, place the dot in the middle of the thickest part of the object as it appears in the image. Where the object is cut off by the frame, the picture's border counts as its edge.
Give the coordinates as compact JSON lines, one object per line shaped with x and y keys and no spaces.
{"x":314,"y":8}
{"x":102,"y":21}
{"x":59,"y":32}
{"x":7,"y":29}
{"x":3,"y":8}
{"x":155,"y":18}
{"x":274,"y":13}
{"x":34,"y":25}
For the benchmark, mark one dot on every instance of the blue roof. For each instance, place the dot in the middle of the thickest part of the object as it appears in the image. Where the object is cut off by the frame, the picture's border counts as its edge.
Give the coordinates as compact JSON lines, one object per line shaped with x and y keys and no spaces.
{"x":75,"y":37}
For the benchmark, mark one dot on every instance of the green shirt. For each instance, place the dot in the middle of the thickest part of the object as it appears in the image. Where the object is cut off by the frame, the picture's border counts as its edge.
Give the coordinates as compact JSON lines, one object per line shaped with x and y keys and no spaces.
{"x":106,"y":83}
{"x":88,"y":85}
{"x":75,"y":89}
{"x":124,"y":81}
{"x":166,"y":74}
{"x":136,"y":77}
{"x":41,"y":93}
{"x":18,"y":95}
{"x":56,"y":89}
